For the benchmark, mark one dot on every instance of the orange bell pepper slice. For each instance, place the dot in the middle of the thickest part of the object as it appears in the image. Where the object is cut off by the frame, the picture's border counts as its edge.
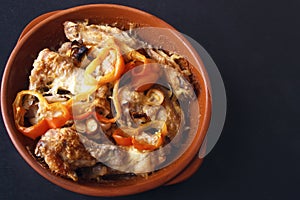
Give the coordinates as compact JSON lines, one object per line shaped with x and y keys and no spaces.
{"x":112,"y":76}
{"x":144,"y":76}
{"x":143,"y":145}
{"x":19,"y":113}
{"x":33,"y":131}
{"x":104,"y":119}
{"x":121,"y":138}
{"x":55,"y":115}
{"x":59,"y":115}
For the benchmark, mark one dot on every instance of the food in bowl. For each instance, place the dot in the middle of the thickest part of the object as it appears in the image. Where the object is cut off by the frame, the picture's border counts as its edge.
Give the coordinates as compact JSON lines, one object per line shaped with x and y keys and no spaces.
{"x":106,"y":105}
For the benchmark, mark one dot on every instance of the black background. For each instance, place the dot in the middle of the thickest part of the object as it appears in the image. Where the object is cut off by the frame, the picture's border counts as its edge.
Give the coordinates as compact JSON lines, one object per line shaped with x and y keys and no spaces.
{"x":255,"y":45}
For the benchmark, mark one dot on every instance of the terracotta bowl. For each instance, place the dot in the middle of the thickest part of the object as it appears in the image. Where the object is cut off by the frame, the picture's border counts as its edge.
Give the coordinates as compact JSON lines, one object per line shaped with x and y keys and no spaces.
{"x":47,"y":31}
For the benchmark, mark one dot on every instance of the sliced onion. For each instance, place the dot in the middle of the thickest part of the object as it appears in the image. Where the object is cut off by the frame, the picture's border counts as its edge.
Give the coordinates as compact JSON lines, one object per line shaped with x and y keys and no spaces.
{"x":154,"y":97}
{"x":115,"y":100}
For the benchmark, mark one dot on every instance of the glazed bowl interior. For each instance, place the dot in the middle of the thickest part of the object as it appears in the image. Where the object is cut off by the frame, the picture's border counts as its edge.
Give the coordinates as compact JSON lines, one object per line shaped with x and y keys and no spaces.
{"x":49,"y":33}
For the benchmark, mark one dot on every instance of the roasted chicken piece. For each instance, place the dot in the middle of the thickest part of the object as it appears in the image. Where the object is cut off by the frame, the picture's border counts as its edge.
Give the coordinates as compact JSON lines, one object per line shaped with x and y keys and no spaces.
{"x":125,"y":159}
{"x":55,"y":72}
{"x":63,"y":152}
{"x":96,"y":34}
{"x":48,"y":67}
{"x":177,"y":72}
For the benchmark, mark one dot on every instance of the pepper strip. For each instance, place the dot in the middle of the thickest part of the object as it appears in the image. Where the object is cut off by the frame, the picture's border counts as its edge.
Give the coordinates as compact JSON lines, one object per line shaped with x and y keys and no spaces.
{"x":123,"y":139}
{"x":144,"y":76}
{"x":111,"y":76}
{"x":59,"y":115}
{"x":143,"y":145}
